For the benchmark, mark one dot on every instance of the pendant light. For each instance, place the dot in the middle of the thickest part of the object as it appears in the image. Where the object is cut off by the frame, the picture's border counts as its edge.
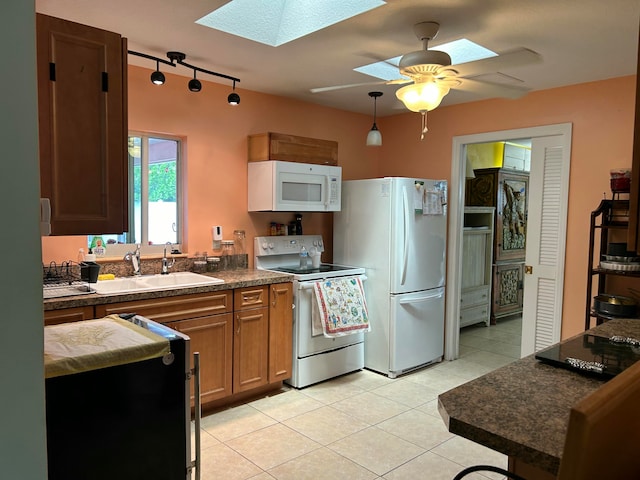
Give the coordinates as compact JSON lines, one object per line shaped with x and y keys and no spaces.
{"x":374,"y":137}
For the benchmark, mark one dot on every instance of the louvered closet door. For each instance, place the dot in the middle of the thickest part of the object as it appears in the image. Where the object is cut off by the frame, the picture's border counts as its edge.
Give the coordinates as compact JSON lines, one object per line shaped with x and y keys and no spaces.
{"x":546,"y":240}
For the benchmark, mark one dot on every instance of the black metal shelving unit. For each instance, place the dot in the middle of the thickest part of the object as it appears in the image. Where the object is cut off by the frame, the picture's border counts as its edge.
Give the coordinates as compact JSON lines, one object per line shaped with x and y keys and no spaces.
{"x":611,"y":215}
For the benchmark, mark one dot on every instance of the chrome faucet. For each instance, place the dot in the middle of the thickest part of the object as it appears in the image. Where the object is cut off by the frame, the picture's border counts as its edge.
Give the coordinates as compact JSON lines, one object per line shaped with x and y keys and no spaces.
{"x":134,"y":258}
{"x":165,"y":262}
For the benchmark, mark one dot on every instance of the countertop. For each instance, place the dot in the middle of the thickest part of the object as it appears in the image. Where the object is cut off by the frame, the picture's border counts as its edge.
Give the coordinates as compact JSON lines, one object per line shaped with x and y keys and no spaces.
{"x":522,"y":409}
{"x":232,"y":279}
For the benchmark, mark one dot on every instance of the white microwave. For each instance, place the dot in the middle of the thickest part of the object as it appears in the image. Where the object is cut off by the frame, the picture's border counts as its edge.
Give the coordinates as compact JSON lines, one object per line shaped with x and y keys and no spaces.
{"x":277,"y":186}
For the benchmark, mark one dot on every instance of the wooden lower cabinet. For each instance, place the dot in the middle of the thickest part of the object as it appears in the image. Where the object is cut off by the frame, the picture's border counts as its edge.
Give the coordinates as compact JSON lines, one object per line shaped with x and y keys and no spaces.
{"x":66,"y":315}
{"x":250,"y":345}
{"x":280,"y":331}
{"x":250,"y":349}
{"x":244,"y":336}
{"x":208,"y":321}
{"x":212,"y":337}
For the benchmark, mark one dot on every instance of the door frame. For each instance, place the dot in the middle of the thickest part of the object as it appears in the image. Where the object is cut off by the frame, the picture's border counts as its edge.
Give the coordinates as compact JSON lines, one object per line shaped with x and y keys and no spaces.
{"x":456,"y":217}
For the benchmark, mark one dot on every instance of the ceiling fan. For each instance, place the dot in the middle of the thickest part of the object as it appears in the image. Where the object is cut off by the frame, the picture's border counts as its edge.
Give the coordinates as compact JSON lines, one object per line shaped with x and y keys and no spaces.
{"x":431,"y":74}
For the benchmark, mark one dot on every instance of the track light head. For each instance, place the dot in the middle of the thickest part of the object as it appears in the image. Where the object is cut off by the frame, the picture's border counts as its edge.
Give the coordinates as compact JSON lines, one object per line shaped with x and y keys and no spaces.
{"x":157,"y":77}
{"x":194,"y":83}
{"x":233,"y":98}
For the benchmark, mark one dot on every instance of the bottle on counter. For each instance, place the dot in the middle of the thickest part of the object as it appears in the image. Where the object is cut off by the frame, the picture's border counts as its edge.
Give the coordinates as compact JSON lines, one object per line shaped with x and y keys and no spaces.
{"x":304,"y":258}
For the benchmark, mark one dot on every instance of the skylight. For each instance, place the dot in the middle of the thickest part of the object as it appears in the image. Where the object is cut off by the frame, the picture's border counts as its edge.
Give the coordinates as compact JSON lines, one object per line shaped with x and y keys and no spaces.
{"x":460,"y":51}
{"x":276,"y":22}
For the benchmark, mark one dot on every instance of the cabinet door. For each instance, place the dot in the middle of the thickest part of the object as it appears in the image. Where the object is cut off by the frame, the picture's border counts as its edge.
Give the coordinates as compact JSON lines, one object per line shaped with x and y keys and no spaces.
{"x":250,"y":354}
{"x":511,"y":220}
{"x":292,"y":148}
{"x":82,"y":126}
{"x":280,"y":332}
{"x":507,"y":290}
{"x":212,"y":336}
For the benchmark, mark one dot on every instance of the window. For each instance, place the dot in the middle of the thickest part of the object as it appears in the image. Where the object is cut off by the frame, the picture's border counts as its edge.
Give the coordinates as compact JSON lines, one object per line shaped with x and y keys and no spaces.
{"x":154,"y":192}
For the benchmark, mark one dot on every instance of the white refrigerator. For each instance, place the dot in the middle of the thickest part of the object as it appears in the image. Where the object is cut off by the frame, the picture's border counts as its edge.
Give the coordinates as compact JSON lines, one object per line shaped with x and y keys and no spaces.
{"x":396,"y":229}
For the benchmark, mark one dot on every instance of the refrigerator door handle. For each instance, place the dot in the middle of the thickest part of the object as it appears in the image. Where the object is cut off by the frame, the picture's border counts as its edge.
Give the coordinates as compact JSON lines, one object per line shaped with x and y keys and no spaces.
{"x":431,"y":296}
{"x":407,"y":219}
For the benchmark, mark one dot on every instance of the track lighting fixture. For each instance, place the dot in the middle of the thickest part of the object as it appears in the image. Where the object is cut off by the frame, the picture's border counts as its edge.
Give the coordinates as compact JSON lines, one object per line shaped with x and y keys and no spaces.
{"x":233,"y":98}
{"x":374,"y":137}
{"x":157,"y":77}
{"x":177,"y":58}
{"x":194,"y":83}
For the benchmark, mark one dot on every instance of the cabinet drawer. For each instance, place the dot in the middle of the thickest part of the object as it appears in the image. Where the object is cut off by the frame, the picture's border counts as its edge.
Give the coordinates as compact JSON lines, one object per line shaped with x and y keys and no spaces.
{"x":66,"y":315}
{"x":469,"y":316}
{"x":168,"y":309}
{"x":473,"y":297}
{"x":251,"y":297}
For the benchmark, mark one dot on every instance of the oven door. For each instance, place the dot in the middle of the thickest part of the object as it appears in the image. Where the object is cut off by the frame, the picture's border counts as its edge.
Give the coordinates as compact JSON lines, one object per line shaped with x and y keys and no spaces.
{"x":306,"y":343}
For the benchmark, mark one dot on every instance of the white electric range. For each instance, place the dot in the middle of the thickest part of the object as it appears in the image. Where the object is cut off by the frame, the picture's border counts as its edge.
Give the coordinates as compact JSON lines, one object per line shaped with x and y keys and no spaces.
{"x":315,"y":357}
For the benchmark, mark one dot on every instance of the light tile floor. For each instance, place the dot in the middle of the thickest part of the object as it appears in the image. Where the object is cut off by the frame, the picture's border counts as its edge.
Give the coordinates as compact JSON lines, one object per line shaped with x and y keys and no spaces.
{"x":360,"y":426}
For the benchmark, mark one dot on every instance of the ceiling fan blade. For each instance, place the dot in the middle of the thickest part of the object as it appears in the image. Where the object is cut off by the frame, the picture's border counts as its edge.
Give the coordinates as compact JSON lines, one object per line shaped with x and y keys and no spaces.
{"x":491,"y":90}
{"x":513,"y":58}
{"x":351,"y":85}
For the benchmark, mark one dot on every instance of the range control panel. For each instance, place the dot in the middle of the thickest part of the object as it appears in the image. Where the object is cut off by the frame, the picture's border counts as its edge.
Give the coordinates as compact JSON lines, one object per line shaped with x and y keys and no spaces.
{"x":287,"y":244}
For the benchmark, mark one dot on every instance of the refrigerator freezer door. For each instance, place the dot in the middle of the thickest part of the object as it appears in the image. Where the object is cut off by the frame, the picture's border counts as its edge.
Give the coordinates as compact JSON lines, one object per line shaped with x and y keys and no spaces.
{"x":418,"y":241}
{"x":416,"y":330}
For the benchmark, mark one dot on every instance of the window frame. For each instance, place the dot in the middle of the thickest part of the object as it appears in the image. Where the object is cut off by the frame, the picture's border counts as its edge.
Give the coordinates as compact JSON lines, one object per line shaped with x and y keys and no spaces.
{"x":119,"y":249}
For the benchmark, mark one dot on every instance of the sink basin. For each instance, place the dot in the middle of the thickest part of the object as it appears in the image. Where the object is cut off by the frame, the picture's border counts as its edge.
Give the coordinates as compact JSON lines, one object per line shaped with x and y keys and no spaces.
{"x":154,"y":282}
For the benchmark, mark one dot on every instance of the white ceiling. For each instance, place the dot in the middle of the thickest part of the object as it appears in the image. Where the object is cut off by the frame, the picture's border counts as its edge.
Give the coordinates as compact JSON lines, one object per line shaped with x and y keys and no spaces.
{"x":579,"y":41}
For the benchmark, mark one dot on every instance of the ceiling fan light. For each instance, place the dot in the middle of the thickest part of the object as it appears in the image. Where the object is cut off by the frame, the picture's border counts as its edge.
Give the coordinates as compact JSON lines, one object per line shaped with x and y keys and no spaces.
{"x":374,"y":137}
{"x":422,"y":97}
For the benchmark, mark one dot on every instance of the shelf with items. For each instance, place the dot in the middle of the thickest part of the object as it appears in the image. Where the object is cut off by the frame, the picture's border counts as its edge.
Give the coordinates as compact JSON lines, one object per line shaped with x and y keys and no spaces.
{"x":477,"y":258}
{"x":608,"y":258}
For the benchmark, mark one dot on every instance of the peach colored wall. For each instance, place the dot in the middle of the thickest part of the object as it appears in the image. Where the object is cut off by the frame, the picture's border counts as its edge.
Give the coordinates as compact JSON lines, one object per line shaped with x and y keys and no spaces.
{"x":602,"y":114}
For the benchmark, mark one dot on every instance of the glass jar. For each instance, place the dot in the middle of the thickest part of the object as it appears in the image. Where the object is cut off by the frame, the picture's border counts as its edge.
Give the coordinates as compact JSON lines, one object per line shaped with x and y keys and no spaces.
{"x":238,"y":238}
{"x":200,"y":262}
{"x":213,"y":264}
{"x":228,"y":256}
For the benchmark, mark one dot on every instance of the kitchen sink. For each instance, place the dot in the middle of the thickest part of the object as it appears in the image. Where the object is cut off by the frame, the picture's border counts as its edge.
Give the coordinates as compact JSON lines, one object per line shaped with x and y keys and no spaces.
{"x":153,"y":282}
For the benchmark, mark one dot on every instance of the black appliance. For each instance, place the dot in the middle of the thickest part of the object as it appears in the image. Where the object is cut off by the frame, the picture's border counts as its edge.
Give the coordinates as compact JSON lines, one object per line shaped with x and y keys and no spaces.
{"x":125,"y":422}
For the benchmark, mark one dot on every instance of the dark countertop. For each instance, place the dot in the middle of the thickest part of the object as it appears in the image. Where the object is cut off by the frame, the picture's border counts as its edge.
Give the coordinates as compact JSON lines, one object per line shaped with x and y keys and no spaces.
{"x":522,"y":409}
{"x":232,"y":279}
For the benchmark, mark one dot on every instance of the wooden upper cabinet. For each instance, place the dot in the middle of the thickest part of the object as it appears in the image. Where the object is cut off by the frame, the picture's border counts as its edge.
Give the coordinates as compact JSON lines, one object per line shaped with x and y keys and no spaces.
{"x":633,"y":238}
{"x":82,"y":113}
{"x":291,"y":148}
